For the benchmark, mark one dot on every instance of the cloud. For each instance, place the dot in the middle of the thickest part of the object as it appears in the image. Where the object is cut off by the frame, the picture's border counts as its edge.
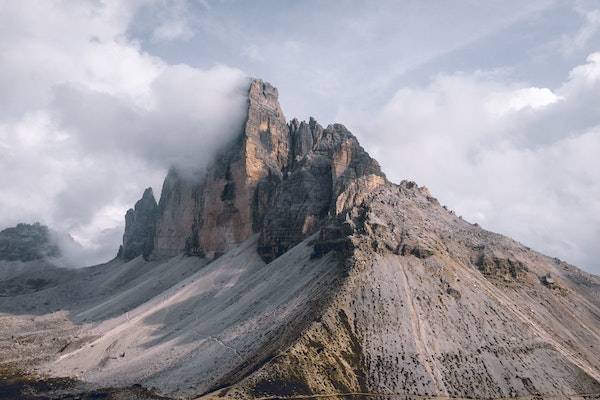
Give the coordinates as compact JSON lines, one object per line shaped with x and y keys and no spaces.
{"x":89,"y":119}
{"x":516,"y":100}
{"x":174,"y":20}
{"x":517,"y":159}
{"x":590,"y":27}
{"x":191,"y":113}
{"x":172,"y":30}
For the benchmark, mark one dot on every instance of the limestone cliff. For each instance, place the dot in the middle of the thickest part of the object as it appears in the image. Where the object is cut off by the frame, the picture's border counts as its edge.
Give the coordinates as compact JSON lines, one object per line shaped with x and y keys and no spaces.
{"x":209,"y":214}
{"x":277,"y":179}
{"x":322,"y":163}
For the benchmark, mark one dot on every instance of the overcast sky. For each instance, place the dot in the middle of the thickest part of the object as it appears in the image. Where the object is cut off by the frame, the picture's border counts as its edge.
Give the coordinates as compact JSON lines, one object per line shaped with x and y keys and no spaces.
{"x":493,"y":105}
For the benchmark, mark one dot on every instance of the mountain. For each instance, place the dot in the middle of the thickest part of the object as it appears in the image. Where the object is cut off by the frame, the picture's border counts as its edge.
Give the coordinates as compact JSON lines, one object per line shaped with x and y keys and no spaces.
{"x":27,"y":242}
{"x":292,"y":268}
{"x":277,"y":179}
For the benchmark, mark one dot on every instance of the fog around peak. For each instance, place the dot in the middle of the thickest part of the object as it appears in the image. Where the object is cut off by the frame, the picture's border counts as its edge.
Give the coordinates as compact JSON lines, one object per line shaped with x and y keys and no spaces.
{"x":492,"y":105}
{"x":91,"y":120}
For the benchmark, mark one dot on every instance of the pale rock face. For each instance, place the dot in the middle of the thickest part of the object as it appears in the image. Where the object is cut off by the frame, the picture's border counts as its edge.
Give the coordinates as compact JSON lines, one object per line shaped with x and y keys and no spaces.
{"x":176,"y":213}
{"x":209,"y":215}
{"x":230,"y":204}
{"x":357,"y":191}
{"x":277,"y":179}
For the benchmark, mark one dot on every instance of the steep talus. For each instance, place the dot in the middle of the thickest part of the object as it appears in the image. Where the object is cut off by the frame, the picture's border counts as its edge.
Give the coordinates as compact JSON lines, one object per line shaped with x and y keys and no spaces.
{"x":418,"y":315}
{"x":210,"y":329}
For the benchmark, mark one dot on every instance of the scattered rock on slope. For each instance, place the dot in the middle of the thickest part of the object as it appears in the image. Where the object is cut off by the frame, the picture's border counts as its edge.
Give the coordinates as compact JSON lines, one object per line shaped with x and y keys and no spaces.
{"x":418,"y":316}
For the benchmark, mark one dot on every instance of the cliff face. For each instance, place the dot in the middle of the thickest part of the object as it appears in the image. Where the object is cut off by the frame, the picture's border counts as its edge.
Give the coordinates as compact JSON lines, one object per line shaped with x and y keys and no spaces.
{"x":210,"y":214}
{"x":280,"y":180}
{"x":322,"y":163}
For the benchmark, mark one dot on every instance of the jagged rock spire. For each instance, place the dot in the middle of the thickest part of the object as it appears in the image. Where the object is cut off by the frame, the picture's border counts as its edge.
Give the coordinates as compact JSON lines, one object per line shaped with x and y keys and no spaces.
{"x":140,"y":223}
{"x":275,"y":179}
{"x":220,"y":210}
{"x":322,"y":163}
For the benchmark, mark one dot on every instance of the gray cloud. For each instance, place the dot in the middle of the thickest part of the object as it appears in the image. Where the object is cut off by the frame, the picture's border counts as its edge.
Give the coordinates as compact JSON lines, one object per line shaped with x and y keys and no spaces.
{"x":481,"y":101}
{"x":516,"y":159}
{"x":191,"y":114}
{"x":92,"y":119}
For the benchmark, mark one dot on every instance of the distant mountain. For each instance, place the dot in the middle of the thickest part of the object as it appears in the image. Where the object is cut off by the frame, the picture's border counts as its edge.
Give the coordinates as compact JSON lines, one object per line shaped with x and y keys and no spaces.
{"x":292,"y":268}
{"x":27,"y":242}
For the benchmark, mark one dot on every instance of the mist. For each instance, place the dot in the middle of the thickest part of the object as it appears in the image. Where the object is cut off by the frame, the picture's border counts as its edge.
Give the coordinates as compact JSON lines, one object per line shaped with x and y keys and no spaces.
{"x":495,"y":112}
{"x":90,"y":120}
{"x":517,"y":159}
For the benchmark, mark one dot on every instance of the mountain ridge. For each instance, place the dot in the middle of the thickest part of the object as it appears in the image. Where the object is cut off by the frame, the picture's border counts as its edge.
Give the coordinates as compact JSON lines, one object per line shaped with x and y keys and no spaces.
{"x":292,"y":268}
{"x":308,"y":164}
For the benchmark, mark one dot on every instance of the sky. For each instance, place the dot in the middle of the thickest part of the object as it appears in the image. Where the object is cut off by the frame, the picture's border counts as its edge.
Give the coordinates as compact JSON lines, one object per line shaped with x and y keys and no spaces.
{"x":494,"y":106}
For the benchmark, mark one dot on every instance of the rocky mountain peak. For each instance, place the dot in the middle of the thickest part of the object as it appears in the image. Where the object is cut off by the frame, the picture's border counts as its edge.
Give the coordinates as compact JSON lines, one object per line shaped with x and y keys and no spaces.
{"x":323,"y":163}
{"x":277,"y":179}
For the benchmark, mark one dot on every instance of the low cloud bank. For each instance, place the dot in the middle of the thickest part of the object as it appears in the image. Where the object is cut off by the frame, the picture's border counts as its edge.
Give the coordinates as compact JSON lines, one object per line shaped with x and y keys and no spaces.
{"x":90,"y":120}
{"x":517,"y":159}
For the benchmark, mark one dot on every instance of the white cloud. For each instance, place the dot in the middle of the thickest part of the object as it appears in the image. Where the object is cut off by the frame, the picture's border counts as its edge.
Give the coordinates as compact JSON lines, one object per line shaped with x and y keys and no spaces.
{"x":589,"y":29}
{"x":175,"y":20}
{"x":89,"y":119}
{"x":518,"y":159}
{"x":172,"y":30}
{"x":586,"y":74}
{"x":516,"y":100}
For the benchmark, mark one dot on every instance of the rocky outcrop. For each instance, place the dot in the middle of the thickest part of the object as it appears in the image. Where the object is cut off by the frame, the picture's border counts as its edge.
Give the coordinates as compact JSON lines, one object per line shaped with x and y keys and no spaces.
{"x":209,"y":214}
{"x":27,"y":242}
{"x":421,"y":312}
{"x":177,"y":213}
{"x":140,"y":223}
{"x":280,"y":180}
{"x":322,"y":164}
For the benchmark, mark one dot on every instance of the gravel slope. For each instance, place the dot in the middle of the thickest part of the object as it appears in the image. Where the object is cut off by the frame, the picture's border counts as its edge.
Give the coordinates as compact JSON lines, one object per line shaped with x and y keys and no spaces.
{"x":180,"y":325}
